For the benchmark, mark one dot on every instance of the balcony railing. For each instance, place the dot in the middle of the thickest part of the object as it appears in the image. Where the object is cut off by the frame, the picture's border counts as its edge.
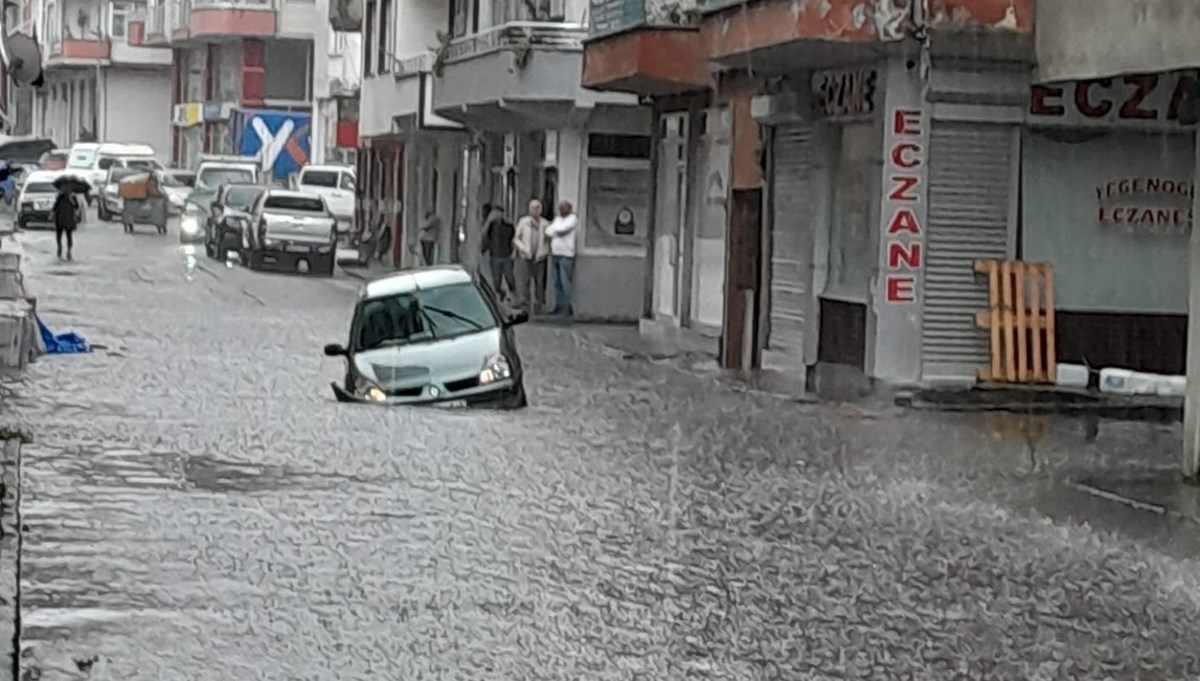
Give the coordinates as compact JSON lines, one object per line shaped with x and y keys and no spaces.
{"x":411,"y":66}
{"x":539,"y":35}
{"x":234,"y":4}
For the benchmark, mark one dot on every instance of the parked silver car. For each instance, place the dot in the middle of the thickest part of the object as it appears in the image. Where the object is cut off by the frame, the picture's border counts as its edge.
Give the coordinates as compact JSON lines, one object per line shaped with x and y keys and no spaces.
{"x":291,"y":232}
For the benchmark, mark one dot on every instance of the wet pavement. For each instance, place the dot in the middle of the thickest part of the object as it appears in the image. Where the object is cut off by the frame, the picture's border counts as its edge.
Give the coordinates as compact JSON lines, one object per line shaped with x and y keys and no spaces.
{"x":198,"y":507}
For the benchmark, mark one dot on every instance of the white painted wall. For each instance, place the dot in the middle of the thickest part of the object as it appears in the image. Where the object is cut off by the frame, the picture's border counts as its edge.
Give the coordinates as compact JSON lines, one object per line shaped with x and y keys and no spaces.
{"x":136,"y":107}
{"x":415,"y":25}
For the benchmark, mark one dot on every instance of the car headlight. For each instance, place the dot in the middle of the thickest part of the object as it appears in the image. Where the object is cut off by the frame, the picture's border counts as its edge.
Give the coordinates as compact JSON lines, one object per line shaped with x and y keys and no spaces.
{"x":189,"y":224}
{"x":496,"y":368}
{"x":371,"y":392}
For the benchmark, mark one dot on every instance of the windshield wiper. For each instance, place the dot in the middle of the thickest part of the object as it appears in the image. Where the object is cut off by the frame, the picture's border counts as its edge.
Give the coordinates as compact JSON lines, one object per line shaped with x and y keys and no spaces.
{"x":454,"y":315}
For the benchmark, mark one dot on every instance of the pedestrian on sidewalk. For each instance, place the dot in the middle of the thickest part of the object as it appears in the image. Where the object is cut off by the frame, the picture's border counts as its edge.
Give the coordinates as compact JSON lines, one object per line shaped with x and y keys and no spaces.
{"x":66,"y":218}
{"x":497,"y":245}
{"x":562,"y":257}
{"x":431,"y":233}
{"x":529,"y":261}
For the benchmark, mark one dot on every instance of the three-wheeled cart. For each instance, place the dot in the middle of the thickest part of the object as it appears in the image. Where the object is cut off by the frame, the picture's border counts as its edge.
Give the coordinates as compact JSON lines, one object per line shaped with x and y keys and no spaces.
{"x":144,"y":203}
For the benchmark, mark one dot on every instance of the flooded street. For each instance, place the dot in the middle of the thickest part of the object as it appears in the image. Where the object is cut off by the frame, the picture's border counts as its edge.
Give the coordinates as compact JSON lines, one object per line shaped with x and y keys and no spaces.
{"x":198,"y":507}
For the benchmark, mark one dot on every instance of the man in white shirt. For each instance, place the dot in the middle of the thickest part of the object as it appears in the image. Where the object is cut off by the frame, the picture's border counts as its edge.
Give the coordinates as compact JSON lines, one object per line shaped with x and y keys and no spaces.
{"x":562,"y":256}
{"x":531,"y":249}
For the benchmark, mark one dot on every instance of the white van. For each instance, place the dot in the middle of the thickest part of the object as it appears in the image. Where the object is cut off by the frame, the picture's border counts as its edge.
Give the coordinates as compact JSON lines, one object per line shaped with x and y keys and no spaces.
{"x":92,"y":161}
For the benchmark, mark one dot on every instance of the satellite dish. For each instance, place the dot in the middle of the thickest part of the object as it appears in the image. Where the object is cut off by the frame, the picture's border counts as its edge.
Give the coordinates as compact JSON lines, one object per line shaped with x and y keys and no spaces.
{"x":22,"y":58}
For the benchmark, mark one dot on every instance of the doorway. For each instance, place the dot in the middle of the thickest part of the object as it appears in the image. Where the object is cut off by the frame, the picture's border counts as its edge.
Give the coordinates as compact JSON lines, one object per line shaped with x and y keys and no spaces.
{"x":672,"y":230}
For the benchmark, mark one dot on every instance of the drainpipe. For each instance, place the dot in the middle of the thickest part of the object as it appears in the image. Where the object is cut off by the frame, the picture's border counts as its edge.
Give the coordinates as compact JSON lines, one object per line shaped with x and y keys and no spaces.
{"x":1189,"y":115}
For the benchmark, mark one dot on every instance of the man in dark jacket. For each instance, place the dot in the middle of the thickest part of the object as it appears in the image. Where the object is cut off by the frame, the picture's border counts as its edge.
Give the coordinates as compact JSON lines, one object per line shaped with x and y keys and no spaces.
{"x":497,"y":244}
{"x":65,"y":220}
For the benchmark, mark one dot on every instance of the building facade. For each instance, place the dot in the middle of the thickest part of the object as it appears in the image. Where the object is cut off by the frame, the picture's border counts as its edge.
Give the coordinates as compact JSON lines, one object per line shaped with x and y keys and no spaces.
{"x":252,"y":77}
{"x":473,"y":103}
{"x":875,"y":151}
{"x":102,"y":82}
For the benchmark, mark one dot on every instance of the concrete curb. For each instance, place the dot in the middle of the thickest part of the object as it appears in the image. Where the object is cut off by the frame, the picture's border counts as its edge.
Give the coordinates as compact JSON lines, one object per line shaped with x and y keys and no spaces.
{"x":18,"y":314}
{"x":10,"y":559}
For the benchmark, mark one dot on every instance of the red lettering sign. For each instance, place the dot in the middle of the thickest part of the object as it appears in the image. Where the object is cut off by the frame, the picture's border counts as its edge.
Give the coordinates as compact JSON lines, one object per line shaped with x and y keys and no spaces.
{"x":1084,"y":103}
{"x":903,"y":187}
{"x":909,"y":254}
{"x":1131,"y":98}
{"x":900,"y":288}
{"x":906,"y":155}
{"x":907,"y":122}
{"x":904,"y":221}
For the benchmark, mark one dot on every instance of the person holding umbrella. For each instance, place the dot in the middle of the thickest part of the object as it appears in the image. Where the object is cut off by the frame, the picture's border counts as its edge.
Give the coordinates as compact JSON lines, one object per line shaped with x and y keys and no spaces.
{"x":66,"y":212}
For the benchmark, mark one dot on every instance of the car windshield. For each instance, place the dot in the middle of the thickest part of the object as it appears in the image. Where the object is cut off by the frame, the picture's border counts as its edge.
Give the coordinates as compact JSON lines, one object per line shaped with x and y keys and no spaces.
{"x":304,"y":204}
{"x":215,"y":177}
{"x":241,"y":198}
{"x":142,"y":163}
{"x":320,"y":178}
{"x":186,"y":179}
{"x":170,"y":180}
{"x":421,"y":316}
{"x":40,"y":188}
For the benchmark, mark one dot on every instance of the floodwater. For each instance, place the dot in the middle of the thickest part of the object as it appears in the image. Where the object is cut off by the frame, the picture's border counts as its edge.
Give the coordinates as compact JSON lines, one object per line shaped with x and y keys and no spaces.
{"x":198,"y":507}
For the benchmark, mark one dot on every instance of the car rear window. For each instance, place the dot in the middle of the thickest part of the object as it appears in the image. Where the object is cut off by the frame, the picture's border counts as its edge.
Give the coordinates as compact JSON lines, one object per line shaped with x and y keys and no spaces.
{"x":82,"y":159}
{"x":320,"y":178}
{"x":40,"y":188}
{"x":241,"y":198}
{"x":306,"y":204}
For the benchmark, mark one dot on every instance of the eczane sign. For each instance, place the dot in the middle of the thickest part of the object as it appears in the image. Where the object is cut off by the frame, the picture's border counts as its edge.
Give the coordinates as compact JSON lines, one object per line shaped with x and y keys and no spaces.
{"x":1148,"y":100}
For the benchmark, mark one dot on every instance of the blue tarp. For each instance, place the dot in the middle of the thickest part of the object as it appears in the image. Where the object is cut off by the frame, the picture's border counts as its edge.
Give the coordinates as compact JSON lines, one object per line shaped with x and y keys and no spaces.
{"x":63,"y":343}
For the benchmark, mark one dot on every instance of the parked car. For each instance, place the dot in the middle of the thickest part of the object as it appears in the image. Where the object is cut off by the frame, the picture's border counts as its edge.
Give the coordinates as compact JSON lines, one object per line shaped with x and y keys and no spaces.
{"x":55,"y":159}
{"x":291,"y":232}
{"x":185,"y":177}
{"x":177,"y":192}
{"x":36,"y":200}
{"x":336,"y":185}
{"x":228,"y":217}
{"x":430,"y":335}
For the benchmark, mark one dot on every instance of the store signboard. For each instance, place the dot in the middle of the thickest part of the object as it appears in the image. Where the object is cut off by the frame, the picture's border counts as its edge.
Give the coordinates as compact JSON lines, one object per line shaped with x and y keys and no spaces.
{"x":904,"y":237}
{"x":841,"y":94}
{"x":1146,"y":205}
{"x":1146,"y":101}
{"x":612,"y":16}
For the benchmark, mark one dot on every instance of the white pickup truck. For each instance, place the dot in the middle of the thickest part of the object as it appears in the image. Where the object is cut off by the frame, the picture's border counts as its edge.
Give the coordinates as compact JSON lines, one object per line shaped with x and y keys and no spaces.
{"x":291,"y":232}
{"x":336,"y":185}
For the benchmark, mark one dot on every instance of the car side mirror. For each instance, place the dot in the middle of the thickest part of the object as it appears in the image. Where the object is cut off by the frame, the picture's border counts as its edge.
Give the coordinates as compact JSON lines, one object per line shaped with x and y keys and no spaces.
{"x":519,"y":317}
{"x":334,"y":350}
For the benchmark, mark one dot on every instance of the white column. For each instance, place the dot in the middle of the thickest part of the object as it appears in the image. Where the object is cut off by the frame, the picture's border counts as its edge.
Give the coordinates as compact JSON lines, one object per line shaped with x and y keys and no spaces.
{"x":572,"y":173}
{"x":1191,"y":416}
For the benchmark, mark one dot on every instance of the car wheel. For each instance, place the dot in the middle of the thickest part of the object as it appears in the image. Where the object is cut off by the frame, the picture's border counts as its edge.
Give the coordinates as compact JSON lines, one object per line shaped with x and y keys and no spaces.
{"x":103,"y":214}
{"x":21,"y":224}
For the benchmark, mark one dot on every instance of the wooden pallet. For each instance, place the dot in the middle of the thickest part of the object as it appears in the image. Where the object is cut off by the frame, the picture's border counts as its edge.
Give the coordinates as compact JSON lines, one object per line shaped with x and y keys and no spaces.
{"x":1020,"y":316}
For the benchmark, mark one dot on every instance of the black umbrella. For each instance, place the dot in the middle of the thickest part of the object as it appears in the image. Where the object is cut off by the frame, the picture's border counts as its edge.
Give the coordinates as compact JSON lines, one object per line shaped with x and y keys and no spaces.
{"x":73,"y":184}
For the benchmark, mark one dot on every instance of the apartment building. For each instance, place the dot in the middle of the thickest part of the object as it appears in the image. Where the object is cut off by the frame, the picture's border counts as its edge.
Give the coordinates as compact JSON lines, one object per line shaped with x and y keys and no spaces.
{"x":474,"y":102}
{"x":102,"y":80}
{"x":248,"y":77}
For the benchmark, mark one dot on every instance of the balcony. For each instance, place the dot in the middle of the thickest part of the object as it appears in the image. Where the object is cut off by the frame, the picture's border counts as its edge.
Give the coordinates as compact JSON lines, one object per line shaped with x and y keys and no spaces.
{"x":77,"y":52}
{"x":180,"y":21}
{"x":981,"y":29}
{"x":519,"y":75}
{"x":402,"y":99}
{"x":134,"y":50}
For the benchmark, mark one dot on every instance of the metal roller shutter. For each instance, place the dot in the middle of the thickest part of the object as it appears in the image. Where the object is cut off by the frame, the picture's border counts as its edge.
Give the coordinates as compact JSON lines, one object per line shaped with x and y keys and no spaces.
{"x":971,"y":184}
{"x":791,"y":238}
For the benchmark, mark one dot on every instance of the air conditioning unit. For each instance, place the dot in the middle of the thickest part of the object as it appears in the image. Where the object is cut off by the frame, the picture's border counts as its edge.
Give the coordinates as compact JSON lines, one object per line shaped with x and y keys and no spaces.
{"x":784,"y":107}
{"x":179,"y":115}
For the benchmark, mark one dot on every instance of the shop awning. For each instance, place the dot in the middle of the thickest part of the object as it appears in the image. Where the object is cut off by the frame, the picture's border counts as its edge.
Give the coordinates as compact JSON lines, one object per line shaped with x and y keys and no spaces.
{"x":1083,"y":39}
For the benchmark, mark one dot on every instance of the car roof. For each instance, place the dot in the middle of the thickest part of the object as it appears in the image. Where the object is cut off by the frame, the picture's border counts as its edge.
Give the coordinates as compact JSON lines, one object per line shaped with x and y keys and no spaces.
{"x":45,"y":175}
{"x":330,"y":168}
{"x":292,"y":193}
{"x":420,"y":278}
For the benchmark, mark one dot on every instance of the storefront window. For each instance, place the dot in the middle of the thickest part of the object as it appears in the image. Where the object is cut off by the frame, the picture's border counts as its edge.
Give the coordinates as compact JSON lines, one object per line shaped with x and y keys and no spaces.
{"x":618,"y":206}
{"x":851,"y":252}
